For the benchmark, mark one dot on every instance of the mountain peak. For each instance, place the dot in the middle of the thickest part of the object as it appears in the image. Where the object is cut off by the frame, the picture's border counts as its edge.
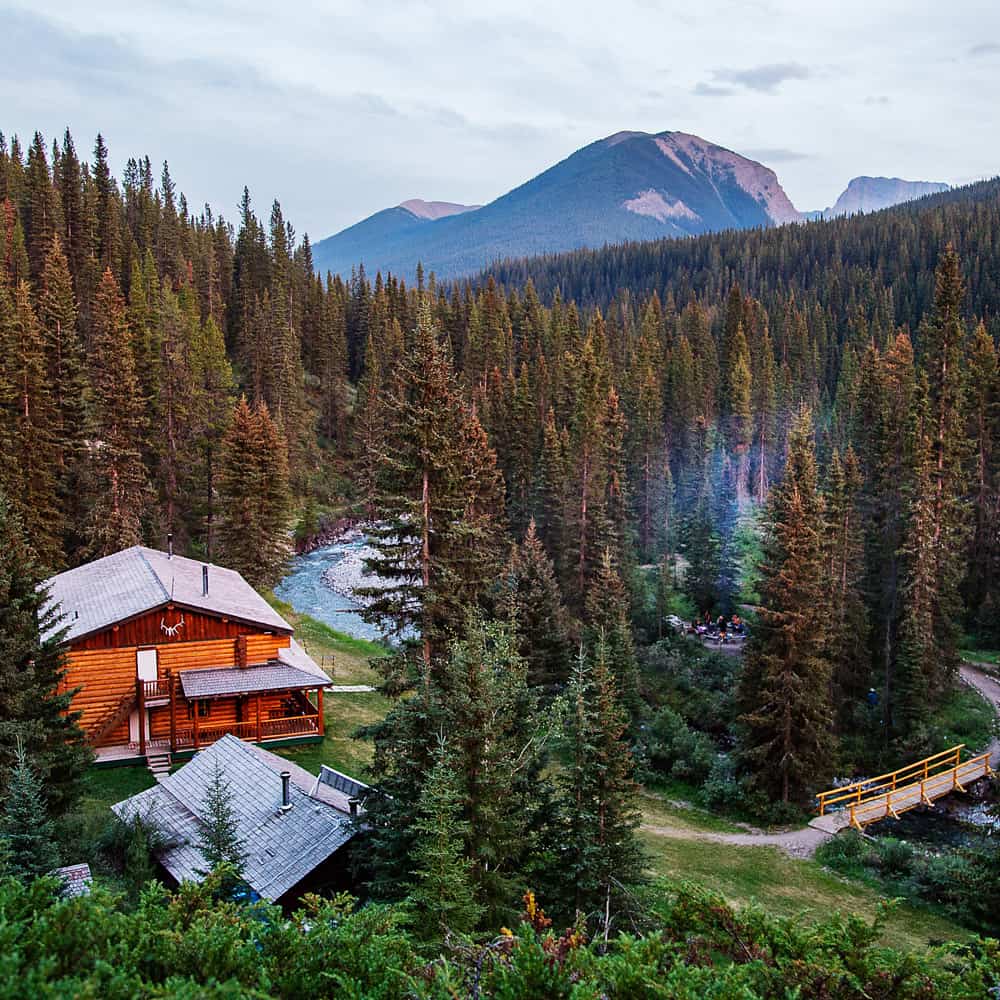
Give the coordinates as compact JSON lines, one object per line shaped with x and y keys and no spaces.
{"x":627,"y":186}
{"x":869,"y":194}
{"x":435,"y":209}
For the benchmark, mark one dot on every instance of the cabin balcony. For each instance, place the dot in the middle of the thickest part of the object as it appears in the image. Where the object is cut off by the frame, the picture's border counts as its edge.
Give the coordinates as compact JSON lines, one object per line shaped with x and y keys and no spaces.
{"x":193,"y":710}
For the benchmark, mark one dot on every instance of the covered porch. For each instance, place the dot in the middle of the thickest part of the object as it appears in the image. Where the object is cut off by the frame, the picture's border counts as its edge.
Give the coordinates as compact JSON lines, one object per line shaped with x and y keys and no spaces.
{"x":272,"y":702}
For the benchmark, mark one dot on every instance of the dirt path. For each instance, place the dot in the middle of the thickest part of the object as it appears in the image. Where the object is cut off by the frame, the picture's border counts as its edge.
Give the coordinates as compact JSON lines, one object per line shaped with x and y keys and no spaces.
{"x":803,"y":843}
{"x":795,"y":843}
{"x":989,"y":688}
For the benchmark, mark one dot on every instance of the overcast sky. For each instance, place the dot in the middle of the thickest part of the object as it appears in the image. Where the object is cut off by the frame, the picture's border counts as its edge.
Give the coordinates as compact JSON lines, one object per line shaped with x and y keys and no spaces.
{"x":342,"y":108}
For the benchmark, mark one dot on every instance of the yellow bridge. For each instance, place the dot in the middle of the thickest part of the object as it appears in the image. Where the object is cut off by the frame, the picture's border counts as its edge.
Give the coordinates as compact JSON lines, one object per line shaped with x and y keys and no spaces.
{"x":890,"y":794}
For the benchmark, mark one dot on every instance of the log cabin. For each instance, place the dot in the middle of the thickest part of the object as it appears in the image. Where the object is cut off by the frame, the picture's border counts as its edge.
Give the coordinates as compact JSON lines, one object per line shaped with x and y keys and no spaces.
{"x":167,"y":655}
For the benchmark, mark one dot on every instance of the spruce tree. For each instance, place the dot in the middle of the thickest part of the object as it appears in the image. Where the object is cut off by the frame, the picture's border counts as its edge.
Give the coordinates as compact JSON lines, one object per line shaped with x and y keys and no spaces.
{"x":600,"y":858}
{"x":441,"y":501}
{"x":26,"y":829}
{"x":220,"y":842}
{"x":608,"y":626}
{"x":443,"y":891}
{"x":784,"y":687}
{"x":254,"y":499}
{"x":118,"y":491}
{"x":34,"y":705}
{"x":531,"y":599}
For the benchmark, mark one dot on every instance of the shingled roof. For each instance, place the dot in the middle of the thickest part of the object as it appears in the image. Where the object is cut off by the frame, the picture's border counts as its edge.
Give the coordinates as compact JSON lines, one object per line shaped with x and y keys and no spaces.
{"x":280,"y":848}
{"x":224,"y":681}
{"x":102,"y":593}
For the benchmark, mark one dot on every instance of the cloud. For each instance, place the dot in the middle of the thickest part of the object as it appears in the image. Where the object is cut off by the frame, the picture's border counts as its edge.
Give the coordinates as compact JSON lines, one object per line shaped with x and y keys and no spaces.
{"x":876,"y":99}
{"x":762,"y":79}
{"x":711,"y":90}
{"x":776,"y":154}
{"x":985,"y":49}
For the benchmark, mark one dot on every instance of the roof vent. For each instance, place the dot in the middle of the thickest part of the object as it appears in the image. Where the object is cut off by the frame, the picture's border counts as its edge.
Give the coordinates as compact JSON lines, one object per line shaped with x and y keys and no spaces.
{"x":286,"y":796}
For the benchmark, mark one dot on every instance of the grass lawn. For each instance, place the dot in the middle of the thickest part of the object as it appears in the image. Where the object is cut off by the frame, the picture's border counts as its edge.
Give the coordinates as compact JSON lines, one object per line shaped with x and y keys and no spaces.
{"x":343,"y":713}
{"x":788,"y":887}
{"x":966,"y":717}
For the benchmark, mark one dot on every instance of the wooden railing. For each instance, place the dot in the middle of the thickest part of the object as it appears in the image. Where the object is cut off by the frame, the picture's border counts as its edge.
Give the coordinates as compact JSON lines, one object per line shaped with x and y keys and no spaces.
{"x":160,"y":688}
{"x":889,"y":782}
{"x":923,"y":792}
{"x":270,"y":729}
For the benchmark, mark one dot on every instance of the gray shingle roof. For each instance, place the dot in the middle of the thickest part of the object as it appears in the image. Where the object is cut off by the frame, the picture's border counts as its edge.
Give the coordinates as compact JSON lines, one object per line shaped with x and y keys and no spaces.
{"x":76,"y":880}
{"x":280,"y":849}
{"x":109,"y":590}
{"x":274,"y":676}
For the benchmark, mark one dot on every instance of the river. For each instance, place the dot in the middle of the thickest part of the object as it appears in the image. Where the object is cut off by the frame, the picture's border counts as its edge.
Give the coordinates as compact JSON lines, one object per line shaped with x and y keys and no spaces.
{"x":303,"y":588}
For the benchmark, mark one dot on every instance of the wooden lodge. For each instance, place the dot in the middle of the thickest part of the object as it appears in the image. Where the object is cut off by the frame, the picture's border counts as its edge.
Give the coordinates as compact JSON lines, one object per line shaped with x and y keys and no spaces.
{"x":169,"y":655}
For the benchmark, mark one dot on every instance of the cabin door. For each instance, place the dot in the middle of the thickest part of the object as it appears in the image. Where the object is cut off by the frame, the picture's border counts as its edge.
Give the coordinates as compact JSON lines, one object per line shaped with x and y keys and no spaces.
{"x":133,"y":724}
{"x":145,"y":664}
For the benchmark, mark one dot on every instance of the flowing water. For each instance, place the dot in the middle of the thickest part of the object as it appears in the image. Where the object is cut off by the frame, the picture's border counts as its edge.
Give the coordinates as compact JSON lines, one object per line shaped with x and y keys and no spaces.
{"x":304,"y":589}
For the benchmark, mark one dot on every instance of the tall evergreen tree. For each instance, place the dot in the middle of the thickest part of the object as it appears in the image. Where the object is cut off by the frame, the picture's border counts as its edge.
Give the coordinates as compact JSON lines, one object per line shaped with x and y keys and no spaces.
{"x":600,"y":859}
{"x":34,"y":705}
{"x":117,"y":484}
{"x":26,"y":830}
{"x":443,"y":890}
{"x":254,"y":500}
{"x":784,"y":687}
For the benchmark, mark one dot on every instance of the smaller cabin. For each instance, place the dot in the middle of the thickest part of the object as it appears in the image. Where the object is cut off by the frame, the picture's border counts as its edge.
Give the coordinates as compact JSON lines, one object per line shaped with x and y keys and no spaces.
{"x":167,"y":654}
{"x":293,"y":828}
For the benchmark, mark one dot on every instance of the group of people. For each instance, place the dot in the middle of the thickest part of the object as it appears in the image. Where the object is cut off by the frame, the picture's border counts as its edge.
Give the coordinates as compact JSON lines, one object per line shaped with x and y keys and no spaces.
{"x":721,"y":630}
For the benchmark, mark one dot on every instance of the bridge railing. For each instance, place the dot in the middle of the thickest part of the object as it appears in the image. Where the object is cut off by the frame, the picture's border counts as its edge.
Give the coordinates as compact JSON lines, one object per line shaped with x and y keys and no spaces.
{"x":889,"y":782}
{"x":906,"y":797}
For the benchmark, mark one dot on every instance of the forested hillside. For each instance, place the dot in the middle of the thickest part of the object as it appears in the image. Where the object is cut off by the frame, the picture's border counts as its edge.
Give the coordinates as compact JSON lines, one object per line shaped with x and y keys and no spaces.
{"x":801,"y":424}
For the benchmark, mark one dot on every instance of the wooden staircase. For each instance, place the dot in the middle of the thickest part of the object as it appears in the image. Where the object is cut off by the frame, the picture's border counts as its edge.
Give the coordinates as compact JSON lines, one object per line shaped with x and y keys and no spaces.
{"x":114,"y":716}
{"x":158,"y":764}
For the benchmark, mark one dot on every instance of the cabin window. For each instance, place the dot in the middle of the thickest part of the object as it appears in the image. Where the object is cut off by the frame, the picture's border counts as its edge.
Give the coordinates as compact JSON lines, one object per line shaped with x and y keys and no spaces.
{"x":204,"y":708}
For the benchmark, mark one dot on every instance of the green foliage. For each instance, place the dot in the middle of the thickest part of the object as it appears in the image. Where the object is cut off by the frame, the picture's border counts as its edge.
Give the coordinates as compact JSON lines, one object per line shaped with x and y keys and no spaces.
{"x":220,"y":843}
{"x":443,"y":891}
{"x":26,"y":830}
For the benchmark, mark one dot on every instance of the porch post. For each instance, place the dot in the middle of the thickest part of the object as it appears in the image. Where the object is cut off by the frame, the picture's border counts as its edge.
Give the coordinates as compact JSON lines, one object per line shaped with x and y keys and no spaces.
{"x":140,"y":696}
{"x":173,"y":711}
{"x":197,"y":744}
{"x":319,"y":708}
{"x":259,"y":731}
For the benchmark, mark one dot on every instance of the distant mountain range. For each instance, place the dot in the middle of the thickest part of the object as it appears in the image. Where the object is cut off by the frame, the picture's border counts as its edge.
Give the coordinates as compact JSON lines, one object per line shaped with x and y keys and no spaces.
{"x":870,"y":194}
{"x":629,"y":186}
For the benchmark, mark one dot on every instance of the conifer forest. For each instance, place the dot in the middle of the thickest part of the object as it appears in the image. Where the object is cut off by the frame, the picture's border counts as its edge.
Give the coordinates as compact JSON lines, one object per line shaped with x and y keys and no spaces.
{"x":566,"y":468}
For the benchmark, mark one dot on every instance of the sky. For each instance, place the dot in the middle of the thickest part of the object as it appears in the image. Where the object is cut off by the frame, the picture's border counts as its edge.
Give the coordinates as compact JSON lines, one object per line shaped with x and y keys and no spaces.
{"x":339,"y":109}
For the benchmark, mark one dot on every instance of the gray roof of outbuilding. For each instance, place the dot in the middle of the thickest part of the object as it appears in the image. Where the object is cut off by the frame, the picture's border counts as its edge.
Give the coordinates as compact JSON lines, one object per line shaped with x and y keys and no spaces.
{"x":280,"y":849}
{"x":101,"y":593}
{"x":216,"y":683}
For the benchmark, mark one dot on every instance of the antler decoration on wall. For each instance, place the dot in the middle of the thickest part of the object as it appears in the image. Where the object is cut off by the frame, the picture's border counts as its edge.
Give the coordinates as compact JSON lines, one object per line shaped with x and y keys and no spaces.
{"x":172,"y":630}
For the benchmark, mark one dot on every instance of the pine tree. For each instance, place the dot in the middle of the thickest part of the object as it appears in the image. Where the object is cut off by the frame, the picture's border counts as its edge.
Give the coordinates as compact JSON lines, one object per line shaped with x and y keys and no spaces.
{"x":66,"y":374}
{"x":848,"y":619}
{"x":441,"y":501}
{"x":784,"y":687}
{"x":25,"y":827}
{"x":443,"y":890}
{"x":34,"y":706}
{"x":608,"y":627}
{"x":220,"y":842}
{"x":31,"y":473}
{"x":254,"y":499}
{"x":601,"y":860}
{"x":117,"y":485}
{"x":530,"y":598}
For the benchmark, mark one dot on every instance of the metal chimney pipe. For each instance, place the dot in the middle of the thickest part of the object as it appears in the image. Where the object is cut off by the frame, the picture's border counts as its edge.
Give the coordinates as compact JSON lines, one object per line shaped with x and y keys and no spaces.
{"x":286,"y":797}
{"x":170,"y":545}
{"x":204,"y":581}
{"x":352,"y":805}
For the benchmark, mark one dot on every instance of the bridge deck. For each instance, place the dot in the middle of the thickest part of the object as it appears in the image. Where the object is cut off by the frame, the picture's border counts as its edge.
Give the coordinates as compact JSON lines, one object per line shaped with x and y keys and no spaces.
{"x":890,"y":794}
